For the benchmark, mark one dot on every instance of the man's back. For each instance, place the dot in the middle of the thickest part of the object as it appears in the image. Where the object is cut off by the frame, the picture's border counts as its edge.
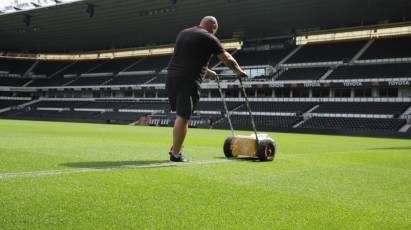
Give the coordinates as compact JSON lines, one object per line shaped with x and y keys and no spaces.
{"x":194,"y":47}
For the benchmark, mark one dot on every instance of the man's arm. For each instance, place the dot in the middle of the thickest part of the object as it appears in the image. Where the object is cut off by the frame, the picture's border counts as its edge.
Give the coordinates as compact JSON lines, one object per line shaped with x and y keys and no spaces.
{"x":231,"y":63}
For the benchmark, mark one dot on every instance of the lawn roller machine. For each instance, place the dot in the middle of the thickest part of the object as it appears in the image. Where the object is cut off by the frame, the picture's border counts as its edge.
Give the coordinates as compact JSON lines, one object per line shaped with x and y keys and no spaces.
{"x":258,"y":146}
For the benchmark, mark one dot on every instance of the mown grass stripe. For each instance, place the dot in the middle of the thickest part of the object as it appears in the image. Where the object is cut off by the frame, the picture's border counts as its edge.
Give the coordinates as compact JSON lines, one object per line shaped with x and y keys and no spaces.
{"x":111,"y":168}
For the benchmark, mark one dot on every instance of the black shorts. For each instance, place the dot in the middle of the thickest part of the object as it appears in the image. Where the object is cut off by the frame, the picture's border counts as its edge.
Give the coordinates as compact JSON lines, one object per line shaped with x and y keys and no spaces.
{"x":183,"y":95}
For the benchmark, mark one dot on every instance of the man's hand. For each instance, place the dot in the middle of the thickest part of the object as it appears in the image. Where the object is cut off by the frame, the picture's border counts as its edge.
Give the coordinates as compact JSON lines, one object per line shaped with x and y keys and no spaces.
{"x":211,"y":74}
{"x":231,"y":63}
{"x":241,"y":74}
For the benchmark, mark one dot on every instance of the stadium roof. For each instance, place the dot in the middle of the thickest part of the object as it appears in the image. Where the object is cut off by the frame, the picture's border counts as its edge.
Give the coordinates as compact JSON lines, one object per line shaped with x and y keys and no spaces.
{"x":13,"y":6}
{"x":108,"y":24}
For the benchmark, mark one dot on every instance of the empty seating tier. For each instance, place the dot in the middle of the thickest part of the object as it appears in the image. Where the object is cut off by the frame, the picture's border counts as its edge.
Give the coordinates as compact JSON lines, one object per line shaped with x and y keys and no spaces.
{"x":160,"y":79}
{"x":106,"y":104}
{"x":302,"y":74}
{"x":216,"y":105}
{"x":372,"y":71}
{"x":117,"y":104}
{"x":353,"y":123}
{"x":90,"y":81}
{"x":76,"y":116}
{"x":48,"y":68}
{"x":130,"y":80}
{"x":81,"y":67}
{"x":149,"y":105}
{"x":115,"y":65}
{"x":60,"y":104}
{"x":8,"y":103}
{"x":121,"y":117}
{"x":156,"y":63}
{"x":13,"y":81}
{"x":263,"y":123}
{"x":284,"y":107}
{"x":53,"y":115}
{"x":266,"y":57}
{"x":49,"y":82}
{"x":389,"y":108}
{"x":389,"y":48}
{"x":15,"y":66}
{"x":343,"y":51}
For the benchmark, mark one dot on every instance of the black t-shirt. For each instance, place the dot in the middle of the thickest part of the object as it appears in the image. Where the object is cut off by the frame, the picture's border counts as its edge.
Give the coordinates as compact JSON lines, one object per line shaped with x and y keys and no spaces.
{"x":192,"y":53}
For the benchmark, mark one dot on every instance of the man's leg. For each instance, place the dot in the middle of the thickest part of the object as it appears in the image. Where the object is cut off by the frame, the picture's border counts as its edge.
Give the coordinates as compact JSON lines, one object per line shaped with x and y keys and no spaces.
{"x":185,"y":104}
{"x":179,"y":134}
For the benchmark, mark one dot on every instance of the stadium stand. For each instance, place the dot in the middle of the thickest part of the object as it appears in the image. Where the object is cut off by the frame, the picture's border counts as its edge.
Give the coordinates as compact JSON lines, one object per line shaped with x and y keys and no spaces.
{"x":82,"y":67}
{"x":216,"y":105}
{"x":270,"y":114}
{"x":121,"y":117}
{"x":76,"y":116}
{"x":48,"y":68}
{"x":130,"y":79}
{"x":342,"y":51}
{"x":156,"y":63}
{"x":149,"y":105}
{"x":353,"y":123}
{"x":8,"y":103}
{"x":212,"y":113}
{"x":13,"y":66}
{"x":389,"y":48}
{"x":88,"y":81}
{"x":116,"y":65}
{"x":59,"y":104}
{"x":13,"y":81}
{"x":49,"y":82}
{"x":115,"y":105}
{"x":265,"y":57}
{"x":284,"y":107}
{"x":387,"y":108}
{"x":72,"y":72}
{"x":78,"y":111}
{"x":372,"y":71}
{"x":263,"y":123}
{"x":160,"y":79}
{"x":303,"y":74}
{"x":194,"y":122}
{"x":102,"y":104}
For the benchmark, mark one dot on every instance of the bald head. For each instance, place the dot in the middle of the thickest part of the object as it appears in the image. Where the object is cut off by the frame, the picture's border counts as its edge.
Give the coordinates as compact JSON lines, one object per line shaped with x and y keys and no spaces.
{"x":210,"y":24}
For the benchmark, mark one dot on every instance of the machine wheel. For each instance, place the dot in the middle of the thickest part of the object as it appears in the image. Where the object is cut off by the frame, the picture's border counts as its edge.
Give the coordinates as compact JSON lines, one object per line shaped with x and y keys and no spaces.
{"x":266,"y":150}
{"x":227,"y":147}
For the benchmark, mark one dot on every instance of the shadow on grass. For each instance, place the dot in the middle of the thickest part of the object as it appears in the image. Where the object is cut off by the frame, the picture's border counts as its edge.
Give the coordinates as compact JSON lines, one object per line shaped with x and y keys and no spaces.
{"x":248,"y":159}
{"x":110,"y":164}
{"x":393,"y":148}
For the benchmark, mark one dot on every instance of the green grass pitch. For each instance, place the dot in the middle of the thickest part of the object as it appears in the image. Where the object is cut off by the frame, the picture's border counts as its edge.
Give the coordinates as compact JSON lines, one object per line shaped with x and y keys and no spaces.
{"x":88,"y":176}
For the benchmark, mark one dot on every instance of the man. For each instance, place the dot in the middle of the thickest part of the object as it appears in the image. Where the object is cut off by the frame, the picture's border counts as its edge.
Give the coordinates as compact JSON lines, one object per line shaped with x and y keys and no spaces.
{"x":189,"y":64}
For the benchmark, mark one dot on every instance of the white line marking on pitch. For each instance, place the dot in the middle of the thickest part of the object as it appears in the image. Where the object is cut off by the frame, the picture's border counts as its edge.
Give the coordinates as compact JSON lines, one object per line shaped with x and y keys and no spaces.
{"x":86,"y":170}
